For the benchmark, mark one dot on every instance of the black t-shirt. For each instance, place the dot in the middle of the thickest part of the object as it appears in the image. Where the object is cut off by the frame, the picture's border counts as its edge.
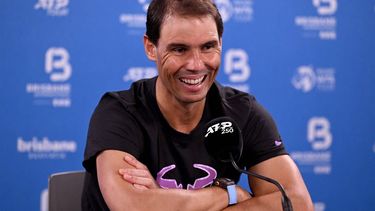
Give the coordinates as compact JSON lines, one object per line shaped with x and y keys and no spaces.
{"x":131,"y":121}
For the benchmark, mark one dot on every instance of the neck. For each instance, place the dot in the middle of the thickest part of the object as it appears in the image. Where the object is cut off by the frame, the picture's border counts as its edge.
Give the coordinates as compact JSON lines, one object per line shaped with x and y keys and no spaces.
{"x":181,"y":116}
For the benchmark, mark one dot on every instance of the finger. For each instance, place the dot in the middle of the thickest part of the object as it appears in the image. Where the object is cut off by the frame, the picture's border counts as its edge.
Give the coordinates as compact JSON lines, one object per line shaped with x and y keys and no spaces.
{"x":147,"y":182}
{"x":135,"y":172}
{"x":130,"y":175}
{"x":142,"y":187}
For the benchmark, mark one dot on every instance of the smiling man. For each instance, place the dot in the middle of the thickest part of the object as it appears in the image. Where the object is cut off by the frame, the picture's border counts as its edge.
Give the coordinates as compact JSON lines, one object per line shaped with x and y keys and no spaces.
{"x":145,"y":147}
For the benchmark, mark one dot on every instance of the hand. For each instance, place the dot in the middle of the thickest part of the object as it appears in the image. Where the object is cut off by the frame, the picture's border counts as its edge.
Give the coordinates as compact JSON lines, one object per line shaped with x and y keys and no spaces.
{"x":139,"y":176}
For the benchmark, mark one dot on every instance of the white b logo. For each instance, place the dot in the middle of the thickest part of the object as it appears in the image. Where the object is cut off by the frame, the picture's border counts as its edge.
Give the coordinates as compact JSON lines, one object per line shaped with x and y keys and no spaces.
{"x":55,"y":59}
{"x":325,"y":7}
{"x":236,"y":65}
{"x":318,"y":133}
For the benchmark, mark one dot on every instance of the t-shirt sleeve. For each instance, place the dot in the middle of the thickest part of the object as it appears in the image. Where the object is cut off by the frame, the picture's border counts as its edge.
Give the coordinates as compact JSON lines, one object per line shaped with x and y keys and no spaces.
{"x":261,"y":137}
{"x":111,"y":126}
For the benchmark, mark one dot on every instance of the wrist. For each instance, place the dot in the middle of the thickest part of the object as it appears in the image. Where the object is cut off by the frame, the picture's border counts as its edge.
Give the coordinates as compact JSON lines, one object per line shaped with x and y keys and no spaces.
{"x":229,"y":186}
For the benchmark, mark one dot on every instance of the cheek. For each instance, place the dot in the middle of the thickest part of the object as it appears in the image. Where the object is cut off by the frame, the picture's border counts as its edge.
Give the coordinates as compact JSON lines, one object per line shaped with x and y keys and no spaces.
{"x":170,"y":64}
{"x":212,"y":59}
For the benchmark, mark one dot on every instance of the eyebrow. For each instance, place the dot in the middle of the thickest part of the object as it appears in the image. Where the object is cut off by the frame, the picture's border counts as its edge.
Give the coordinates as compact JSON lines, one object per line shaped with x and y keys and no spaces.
{"x":212,"y":42}
{"x":174,"y":45}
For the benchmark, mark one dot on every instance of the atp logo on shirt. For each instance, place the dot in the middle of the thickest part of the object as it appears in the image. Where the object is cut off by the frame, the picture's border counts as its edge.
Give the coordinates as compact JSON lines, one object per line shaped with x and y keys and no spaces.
{"x":198,"y":183}
{"x":223,"y":127}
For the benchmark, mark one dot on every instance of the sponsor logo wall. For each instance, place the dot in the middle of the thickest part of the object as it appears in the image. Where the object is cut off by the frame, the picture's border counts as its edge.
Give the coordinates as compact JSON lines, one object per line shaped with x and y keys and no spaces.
{"x":310,"y":63}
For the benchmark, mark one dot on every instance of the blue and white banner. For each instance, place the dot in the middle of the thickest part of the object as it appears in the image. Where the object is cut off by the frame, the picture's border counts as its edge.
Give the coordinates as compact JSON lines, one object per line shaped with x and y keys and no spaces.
{"x":311,"y":63}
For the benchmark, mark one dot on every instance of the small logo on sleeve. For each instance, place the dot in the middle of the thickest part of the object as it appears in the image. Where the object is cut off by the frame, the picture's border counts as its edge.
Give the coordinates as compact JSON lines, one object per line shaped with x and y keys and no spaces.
{"x":278,"y":143}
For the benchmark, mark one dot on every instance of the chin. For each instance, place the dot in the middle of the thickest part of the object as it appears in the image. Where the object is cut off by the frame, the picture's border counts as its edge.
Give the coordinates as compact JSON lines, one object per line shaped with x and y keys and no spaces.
{"x":193,"y":99}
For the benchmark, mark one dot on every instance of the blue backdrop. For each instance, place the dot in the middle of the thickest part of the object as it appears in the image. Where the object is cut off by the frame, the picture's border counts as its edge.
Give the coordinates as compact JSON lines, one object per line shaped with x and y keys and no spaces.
{"x":311,"y":63}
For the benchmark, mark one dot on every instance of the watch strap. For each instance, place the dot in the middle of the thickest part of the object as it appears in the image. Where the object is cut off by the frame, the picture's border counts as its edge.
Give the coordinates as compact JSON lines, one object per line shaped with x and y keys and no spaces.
{"x":232,"y":194}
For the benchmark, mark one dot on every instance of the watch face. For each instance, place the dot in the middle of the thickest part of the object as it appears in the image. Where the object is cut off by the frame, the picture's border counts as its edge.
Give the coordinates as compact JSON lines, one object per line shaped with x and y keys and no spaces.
{"x":223,"y":182}
{"x":228,"y":181}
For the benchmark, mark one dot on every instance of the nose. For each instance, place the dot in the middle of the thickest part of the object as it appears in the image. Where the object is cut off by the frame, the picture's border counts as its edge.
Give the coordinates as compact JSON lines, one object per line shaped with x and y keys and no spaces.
{"x":195,"y":61}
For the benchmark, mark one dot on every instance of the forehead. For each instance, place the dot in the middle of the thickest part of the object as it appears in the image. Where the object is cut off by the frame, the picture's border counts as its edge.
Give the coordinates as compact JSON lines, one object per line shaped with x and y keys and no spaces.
{"x":188,"y":29}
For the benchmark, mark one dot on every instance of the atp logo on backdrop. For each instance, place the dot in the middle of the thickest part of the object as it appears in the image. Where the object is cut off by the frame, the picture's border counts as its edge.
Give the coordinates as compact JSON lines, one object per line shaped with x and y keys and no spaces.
{"x":237,"y":68}
{"x":307,"y":78}
{"x":56,"y":92}
{"x":238,"y":10}
{"x":322,"y":25}
{"x":137,"y":73}
{"x":53,"y":7}
{"x":320,"y":138}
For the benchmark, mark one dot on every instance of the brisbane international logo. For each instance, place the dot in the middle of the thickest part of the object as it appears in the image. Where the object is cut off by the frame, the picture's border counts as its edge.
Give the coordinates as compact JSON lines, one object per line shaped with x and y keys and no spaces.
{"x":135,"y":21}
{"x":236,"y":10}
{"x":319,"y":136}
{"x":308,"y":78}
{"x":322,"y":25}
{"x":56,"y":92}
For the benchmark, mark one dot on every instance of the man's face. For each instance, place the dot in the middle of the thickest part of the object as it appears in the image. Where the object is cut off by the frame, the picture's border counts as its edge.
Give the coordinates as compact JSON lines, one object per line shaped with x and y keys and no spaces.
{"x":187,"y":57}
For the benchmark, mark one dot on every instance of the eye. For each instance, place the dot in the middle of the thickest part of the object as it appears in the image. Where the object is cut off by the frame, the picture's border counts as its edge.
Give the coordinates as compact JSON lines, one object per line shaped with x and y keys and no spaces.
{"x":179,"y":50}
{"x":208,"y":46}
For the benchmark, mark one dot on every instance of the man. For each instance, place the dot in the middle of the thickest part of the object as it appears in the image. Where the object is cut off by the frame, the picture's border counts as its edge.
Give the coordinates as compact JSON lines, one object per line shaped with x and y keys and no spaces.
{"x":145,"y":147}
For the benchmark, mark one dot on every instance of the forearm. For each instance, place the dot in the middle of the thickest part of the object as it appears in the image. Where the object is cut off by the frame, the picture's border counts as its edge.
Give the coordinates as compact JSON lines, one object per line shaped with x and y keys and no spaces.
{"x":123,"y":195}
{"x":267,"y":196}
{"x":176,"y":199}
{"x":272,"y":201}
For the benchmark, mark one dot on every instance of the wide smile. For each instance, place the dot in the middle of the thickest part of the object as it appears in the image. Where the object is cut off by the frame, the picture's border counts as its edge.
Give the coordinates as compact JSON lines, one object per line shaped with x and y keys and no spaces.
{"x":193,"y":82}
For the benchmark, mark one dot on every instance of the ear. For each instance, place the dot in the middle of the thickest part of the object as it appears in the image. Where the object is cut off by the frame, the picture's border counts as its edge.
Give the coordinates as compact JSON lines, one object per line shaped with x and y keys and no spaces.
{"x":150,"y":48}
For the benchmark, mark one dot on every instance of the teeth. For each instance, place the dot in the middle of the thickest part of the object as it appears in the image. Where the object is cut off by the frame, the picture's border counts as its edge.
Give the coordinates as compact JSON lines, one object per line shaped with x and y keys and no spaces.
{"x":192,"y":81}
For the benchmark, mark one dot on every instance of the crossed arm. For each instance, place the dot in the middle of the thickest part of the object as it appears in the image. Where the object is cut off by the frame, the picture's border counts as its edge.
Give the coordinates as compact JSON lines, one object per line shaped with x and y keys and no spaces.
{"x":126,"y":184}
{"x":123,"y":195}
{"x":267,"y":196}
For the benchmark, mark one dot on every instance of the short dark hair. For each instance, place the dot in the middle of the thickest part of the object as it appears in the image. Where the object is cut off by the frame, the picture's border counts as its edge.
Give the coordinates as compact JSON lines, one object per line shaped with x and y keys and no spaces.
{"x":159,"y":9}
